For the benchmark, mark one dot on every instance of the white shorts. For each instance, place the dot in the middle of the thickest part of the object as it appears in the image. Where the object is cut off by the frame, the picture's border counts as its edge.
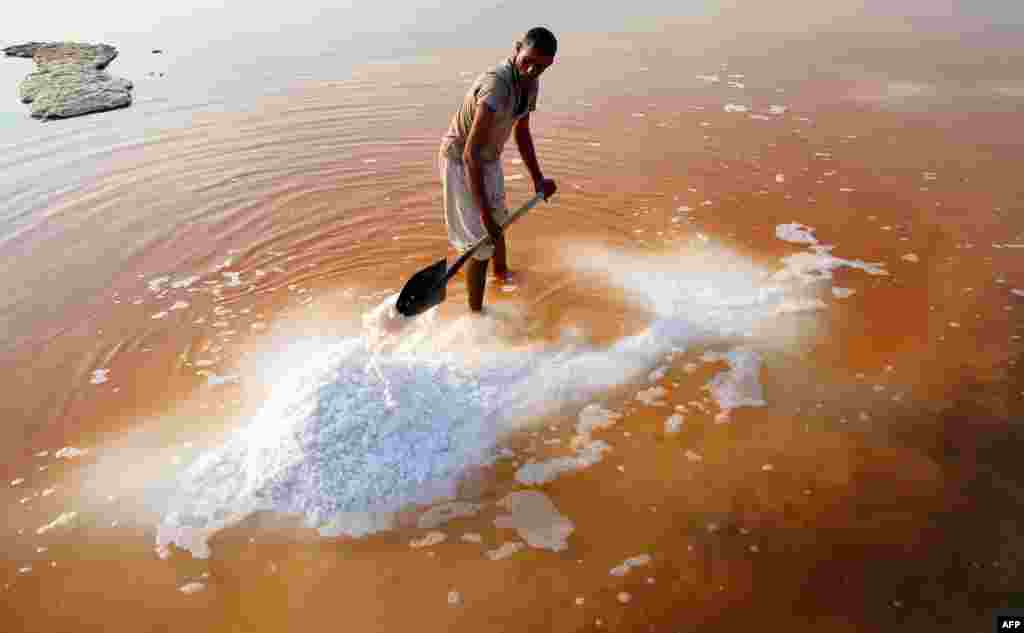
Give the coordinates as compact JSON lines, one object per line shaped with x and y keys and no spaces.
{"x":461,"y":214}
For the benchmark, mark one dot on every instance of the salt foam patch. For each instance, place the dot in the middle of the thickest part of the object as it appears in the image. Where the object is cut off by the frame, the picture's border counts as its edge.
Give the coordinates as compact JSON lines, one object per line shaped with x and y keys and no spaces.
{"x":536,"y":519}
{"x":588,"y":451}
{"x":818,"y":263}
{"x":702,"y":294}
{"x":536,"y":473}
{"x":591,"y":418}
{"x":506,"y":550}
{"x":738,"y":387}
{"x":674,"y":423}
{"x":629,"y":563}
{"x":430,"y":539}
{"x":796,"y":233}
{"x":441,"y":514}
{"x":800,"y":305}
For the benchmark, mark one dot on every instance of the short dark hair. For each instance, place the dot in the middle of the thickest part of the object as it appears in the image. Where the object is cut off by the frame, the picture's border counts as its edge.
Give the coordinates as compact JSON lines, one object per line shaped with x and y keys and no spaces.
{"x":542,"y":39}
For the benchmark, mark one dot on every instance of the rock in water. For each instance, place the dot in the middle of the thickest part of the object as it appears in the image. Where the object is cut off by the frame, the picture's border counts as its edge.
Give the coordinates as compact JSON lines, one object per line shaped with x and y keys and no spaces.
{"x":70,"y":80}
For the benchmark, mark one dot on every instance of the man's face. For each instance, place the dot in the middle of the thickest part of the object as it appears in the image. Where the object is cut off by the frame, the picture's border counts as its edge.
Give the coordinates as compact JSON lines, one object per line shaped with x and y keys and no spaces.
{"x":531,"y":63}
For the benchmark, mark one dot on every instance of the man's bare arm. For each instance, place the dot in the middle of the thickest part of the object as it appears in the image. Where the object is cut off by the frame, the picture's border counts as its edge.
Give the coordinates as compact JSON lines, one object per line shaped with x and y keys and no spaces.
{"x":478,"y":135}
{"x":524,"y":140}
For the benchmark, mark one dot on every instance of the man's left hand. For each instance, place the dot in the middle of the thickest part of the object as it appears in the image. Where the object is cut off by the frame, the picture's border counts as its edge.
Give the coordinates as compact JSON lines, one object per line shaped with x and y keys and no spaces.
{"x":545,"y":186}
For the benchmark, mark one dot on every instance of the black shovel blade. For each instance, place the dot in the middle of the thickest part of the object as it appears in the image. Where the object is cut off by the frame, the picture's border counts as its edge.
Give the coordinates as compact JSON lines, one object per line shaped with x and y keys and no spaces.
{"x":424,"y":290}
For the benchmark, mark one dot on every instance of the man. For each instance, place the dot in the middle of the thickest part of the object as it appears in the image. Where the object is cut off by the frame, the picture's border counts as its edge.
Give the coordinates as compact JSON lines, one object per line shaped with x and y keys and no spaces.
{"x":499,"y":101}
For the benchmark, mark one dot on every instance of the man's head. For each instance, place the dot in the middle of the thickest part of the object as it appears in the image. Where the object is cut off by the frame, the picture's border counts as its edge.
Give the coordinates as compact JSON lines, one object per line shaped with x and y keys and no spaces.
{"x":535,"y":52}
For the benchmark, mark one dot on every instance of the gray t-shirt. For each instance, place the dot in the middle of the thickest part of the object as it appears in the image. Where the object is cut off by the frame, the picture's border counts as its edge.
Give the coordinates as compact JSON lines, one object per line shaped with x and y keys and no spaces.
{"x":508,"y":95}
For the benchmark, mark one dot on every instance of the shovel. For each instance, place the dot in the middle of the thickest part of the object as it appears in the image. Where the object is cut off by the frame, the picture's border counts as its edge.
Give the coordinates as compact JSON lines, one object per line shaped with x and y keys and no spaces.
{"x":426,"y":289}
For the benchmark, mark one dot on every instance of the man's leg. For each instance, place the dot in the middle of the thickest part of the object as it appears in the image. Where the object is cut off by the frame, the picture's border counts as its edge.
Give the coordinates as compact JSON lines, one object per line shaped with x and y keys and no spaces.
{"x":500,"y":258}
{"x":476,"y":282}
{"x":495,"y":183}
